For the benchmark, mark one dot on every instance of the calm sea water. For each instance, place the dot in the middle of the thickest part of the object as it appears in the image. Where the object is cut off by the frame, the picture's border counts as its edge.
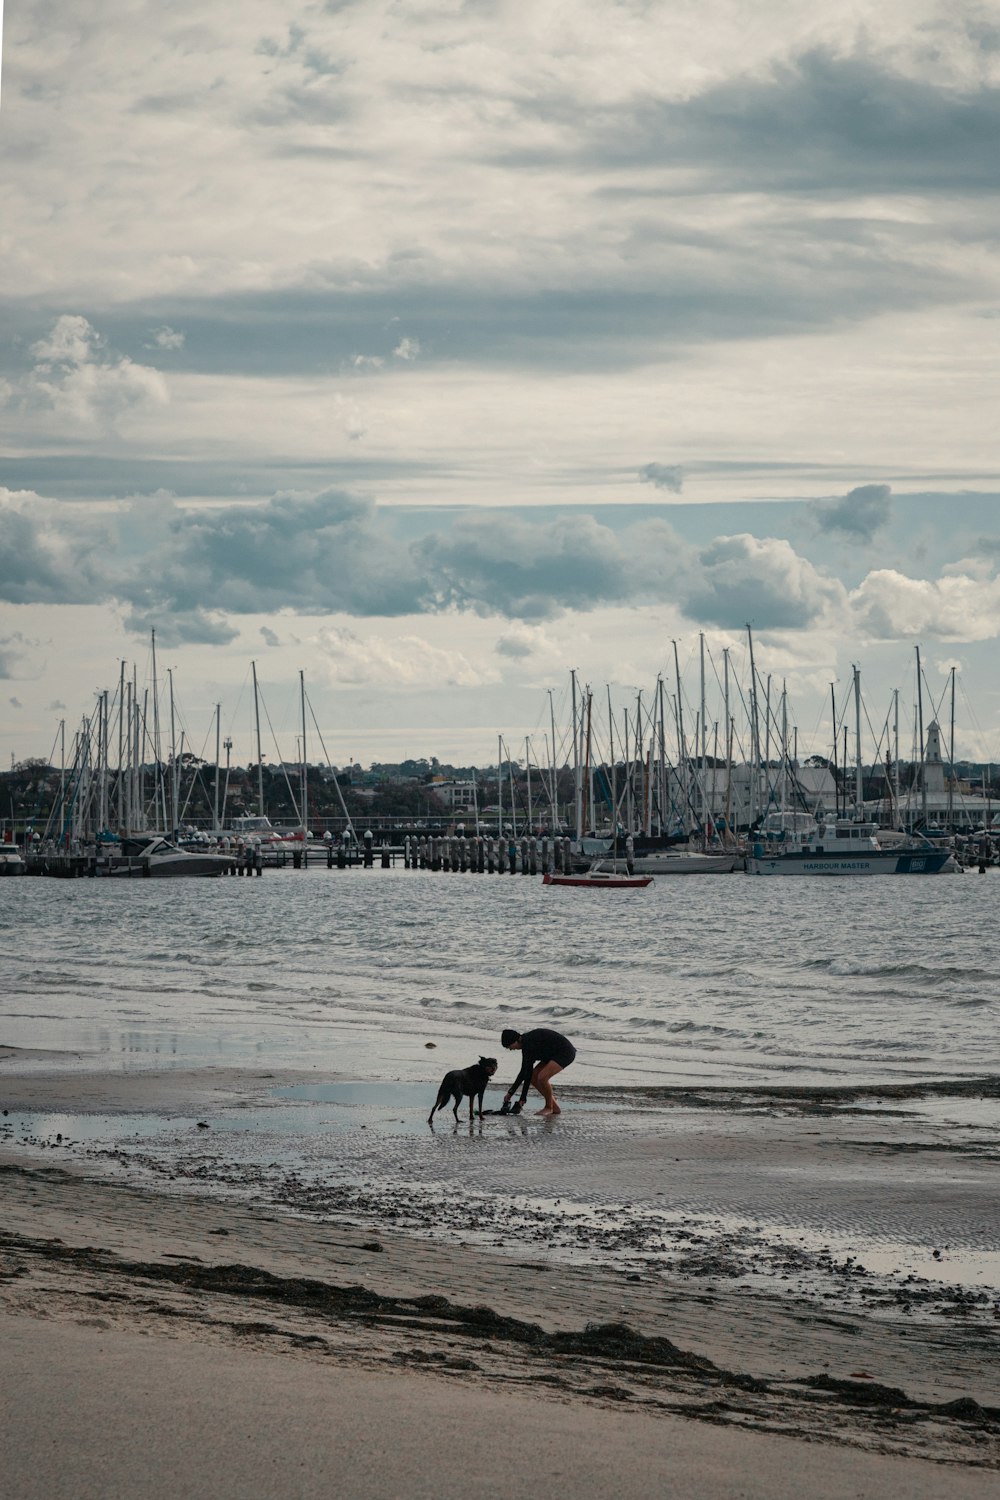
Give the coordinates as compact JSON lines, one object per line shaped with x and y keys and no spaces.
{"x":707,"y":979}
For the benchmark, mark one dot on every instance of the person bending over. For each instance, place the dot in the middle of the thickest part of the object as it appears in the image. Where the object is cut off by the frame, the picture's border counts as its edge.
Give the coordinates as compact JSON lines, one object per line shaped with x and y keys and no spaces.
{"x":544,"y":1053}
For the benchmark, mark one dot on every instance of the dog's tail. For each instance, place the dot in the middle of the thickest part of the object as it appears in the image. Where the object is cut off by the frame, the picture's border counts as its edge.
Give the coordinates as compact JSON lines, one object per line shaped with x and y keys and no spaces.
{"x":439,"y":1103}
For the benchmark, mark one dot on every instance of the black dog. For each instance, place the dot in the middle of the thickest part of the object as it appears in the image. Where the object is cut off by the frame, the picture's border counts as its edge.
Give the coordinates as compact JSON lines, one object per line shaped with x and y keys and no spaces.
{"x":461,"y":1081}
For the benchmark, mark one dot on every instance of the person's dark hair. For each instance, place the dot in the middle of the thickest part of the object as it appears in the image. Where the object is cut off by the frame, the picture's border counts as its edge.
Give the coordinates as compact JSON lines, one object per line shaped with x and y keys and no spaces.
{"x":508,"y":1037}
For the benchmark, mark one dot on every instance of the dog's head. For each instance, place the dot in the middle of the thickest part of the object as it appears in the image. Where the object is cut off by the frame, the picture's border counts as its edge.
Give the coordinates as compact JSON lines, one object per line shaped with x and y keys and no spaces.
{"x":490,"y":1065}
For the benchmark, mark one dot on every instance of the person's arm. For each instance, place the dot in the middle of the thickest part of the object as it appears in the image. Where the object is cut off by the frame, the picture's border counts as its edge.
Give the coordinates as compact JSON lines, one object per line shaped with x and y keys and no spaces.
{"x":528,"y":1060}
{"x":523,"y":1077}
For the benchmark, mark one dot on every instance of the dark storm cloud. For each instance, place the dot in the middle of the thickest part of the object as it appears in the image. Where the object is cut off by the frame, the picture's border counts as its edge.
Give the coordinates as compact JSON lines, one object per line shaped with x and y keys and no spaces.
{"x":819,"y":123}
{"x":859,"y":513}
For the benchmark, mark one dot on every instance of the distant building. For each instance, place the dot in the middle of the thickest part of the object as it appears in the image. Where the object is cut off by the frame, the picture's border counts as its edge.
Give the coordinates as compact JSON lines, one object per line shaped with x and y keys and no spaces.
{"x":457,"y":796}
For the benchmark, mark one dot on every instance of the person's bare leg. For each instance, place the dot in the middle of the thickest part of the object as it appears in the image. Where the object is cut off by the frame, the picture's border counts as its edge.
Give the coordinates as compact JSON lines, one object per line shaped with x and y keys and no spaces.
{"x":542,"y":1080}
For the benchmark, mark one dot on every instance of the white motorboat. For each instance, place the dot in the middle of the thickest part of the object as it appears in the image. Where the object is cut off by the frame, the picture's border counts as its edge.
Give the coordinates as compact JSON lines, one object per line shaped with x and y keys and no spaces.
{"x":598,"y":877}
{"x":680,"y":861}
{"x":152,"y":855}
{"x":11,"y":860}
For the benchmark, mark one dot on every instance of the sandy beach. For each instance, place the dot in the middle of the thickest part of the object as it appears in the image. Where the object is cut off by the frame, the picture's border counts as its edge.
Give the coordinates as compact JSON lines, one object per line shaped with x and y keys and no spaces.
{"x":137,"y":1290}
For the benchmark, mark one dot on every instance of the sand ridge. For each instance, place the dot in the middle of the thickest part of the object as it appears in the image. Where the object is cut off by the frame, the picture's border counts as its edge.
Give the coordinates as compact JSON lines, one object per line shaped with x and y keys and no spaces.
{"x":106,"y":1255}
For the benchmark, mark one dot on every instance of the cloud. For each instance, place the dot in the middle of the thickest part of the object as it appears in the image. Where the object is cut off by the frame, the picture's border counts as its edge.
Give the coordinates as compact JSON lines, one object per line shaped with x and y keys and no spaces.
{"x":407,"y":349}
{"x":337,"y":554}
{"x":517,"y":646}
{"x":663,"y":476}
{"x":12,"y":652}
{"x":186,"y":627}
{"x":8,"y":656}
{"x":960,"y":606}
{"x":324,"y":554}
{"x":44,"y":558}
{"x":15,"y":702}
{"x":845,"y":122}
{"x":166,"y":338}
{"x":404,"y":662}
{"x":764,"y":582}
{"x":526,"y":570}
{"x":79,"y":380}
{"x":859,"y":513}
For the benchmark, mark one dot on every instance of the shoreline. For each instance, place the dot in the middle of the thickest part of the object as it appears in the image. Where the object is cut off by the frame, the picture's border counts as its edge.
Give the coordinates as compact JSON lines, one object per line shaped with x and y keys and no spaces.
{"x":74,"y":1251}
{"x":344,"y":1271}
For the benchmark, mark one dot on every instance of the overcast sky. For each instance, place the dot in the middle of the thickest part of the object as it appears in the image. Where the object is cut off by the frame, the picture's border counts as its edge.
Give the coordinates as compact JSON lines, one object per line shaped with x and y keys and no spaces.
{"x":434,"y":348}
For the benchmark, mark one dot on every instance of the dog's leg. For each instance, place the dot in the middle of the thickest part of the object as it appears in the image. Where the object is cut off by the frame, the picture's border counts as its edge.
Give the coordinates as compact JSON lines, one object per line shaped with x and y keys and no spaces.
{"x":439,"y":1103}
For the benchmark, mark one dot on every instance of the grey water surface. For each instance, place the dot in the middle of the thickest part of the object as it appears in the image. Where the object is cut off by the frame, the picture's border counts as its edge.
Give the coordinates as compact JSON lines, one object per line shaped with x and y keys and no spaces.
{"x":710,"y":979}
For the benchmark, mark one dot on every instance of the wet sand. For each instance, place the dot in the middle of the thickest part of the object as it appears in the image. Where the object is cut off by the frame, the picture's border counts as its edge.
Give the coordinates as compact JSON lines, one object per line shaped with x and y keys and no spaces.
{"x":733,"y":1341}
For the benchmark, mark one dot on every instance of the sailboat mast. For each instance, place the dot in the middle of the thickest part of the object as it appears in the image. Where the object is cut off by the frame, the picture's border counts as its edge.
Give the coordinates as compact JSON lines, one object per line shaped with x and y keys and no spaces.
{"x":218,"y":747}
{"x":754,"y":734}
{"x":260,"y":761}
{"x":701,"y":769}
{"x":682,"y":758}
{"x":173,"y":756}
{"x":833,"y":722}
{"x":920,"y":728}
{"x":499,"y":786}
{"x":784,"y":743}
{"x":662,"y":795}
{"x":555,"y":783}
{"x":577,"y":777}
{"x":951,"y":757}
{"x":588,"y":763}
{"x":305,"y":762}
{"x":895,"y":757}
{"x":527,"y":771}
{"x":121,"y":743}
{"x":859,"y":790}
{"x":104,"y":761}
{"x":628,"y":775}
{"x":729,"y":739}
{"x":159,"y":791}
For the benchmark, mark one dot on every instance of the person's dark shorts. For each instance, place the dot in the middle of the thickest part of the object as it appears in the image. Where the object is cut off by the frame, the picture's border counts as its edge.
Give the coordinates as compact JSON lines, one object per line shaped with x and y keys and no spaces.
{"x":562,"y":1055}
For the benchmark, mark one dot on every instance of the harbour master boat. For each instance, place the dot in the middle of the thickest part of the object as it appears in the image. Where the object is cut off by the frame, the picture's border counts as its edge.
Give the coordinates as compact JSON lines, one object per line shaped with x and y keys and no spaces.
{"x":795,"y":844}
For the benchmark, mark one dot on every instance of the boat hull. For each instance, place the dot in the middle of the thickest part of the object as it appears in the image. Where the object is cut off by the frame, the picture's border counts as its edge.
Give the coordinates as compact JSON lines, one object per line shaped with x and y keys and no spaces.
{"x":687,"y":864}
{"x":799,"y":862}
{"x":600,"y":882}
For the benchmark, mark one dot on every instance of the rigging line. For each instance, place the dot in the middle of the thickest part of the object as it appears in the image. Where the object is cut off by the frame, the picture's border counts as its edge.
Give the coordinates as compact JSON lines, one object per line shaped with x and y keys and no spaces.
{"x":977,"y":726}
{"x":330,"y":765}
{"x":284,"y":771}
{"x":233,"y":717}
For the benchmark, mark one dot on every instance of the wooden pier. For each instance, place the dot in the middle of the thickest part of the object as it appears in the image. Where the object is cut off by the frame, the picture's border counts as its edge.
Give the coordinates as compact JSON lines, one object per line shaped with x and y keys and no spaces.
{"x":453,"y":854}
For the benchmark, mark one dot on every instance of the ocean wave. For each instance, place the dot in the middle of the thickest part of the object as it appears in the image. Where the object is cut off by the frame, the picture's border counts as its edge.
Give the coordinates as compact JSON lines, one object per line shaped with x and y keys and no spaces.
{"x":851,"y":968}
